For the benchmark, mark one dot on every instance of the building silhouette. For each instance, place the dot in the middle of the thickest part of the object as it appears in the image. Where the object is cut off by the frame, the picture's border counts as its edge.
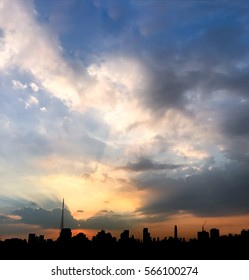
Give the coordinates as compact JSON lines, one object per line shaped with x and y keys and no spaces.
{"x":32,"y":239}
{"x":104,"y":246}
{"x":203,"y":235}
{"x":175,"y":232}
{"x":125,"y":235}
{"x":65,"y":233}
{"x":214,"y":234}
{"x":146,"y":236}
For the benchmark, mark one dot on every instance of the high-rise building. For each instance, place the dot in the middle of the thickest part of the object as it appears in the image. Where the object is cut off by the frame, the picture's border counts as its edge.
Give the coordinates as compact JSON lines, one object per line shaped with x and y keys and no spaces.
{"x":175,"y":232}
{"x":32,"y":238}
{"x":65,"y":234}
{"x":214,"y":234}
{"x":203,"y":235}
{"x":146,"y":235}
{"x":125,"y":235}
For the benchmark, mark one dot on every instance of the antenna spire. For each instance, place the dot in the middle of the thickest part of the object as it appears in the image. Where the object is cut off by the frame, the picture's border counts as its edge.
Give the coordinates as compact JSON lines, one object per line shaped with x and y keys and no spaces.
{"x":62,"y":215}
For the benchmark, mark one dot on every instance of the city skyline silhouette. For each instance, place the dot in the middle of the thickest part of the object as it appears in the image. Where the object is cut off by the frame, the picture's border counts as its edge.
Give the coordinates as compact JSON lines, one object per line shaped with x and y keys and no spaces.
{"x":207,"y":246}
{"x":166,"y":230}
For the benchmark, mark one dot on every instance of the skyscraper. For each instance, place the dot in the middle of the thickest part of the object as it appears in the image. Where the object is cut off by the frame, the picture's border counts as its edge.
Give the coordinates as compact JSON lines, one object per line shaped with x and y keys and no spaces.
{"x":175,"y":232}
{"x":146,"y":235}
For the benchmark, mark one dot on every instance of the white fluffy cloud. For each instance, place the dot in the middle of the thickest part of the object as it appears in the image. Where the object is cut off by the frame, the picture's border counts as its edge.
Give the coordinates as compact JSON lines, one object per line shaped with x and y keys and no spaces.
{"x":34,"y":87}
{"x":18,"y":85}
{"x":31,"y":47}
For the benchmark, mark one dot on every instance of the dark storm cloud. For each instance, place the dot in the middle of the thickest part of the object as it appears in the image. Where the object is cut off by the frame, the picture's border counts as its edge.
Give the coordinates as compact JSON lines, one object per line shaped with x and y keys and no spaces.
{"x":144,"y":164}
{"x":201,"y":52}
{"x":166,"y":90}
{"x":233,"y":125}
{"x":236,"y":124}
{"x":51,"y":218}
{"x":29,"y":212}
{"x":45,"y":218}
{"x":170,"y":79}
{"x":211,"y":192}
{"x":221,"y":52}
{"x":236,"y":149}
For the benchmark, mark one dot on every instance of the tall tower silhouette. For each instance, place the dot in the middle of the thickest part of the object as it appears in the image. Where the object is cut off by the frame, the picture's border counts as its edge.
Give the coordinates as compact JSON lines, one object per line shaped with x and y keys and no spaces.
{"x":65,"y":233}
{"x":175,"y":232}
{"x":62,"y":215}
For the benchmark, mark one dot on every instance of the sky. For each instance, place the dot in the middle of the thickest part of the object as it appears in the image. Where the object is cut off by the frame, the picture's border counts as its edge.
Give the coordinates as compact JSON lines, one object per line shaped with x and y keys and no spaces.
{"x":134,"y":111}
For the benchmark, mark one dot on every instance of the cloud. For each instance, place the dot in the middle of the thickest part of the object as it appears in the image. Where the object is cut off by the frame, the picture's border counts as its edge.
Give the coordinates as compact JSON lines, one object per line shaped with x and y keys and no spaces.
{"x":31,"y":101}
{"x":5,"y":219}
{"x":50,"y":219}
{"x":24,"y":212}
{"x":43,"y":109}
{"x":212,"y":191}
{"x":39,"y":54}
{"x":18,"y":85}
{"x":34,"y":87}
{"x":18,"y":202}
{"x":165,"y":90}
{"x":45,"y":218}
{"x":233,"y":129}
{"x":191,"y":58}
{"x":236,"y":124}
{"x":172,"y":67}
{"x":145,"y":164}
{"x":108,"y":220}
{"x":46,"y":212}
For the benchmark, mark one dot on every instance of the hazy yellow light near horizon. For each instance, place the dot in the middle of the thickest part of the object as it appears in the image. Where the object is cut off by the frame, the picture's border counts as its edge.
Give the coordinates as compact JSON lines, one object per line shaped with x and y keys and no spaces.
{"x":93,"y":194}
